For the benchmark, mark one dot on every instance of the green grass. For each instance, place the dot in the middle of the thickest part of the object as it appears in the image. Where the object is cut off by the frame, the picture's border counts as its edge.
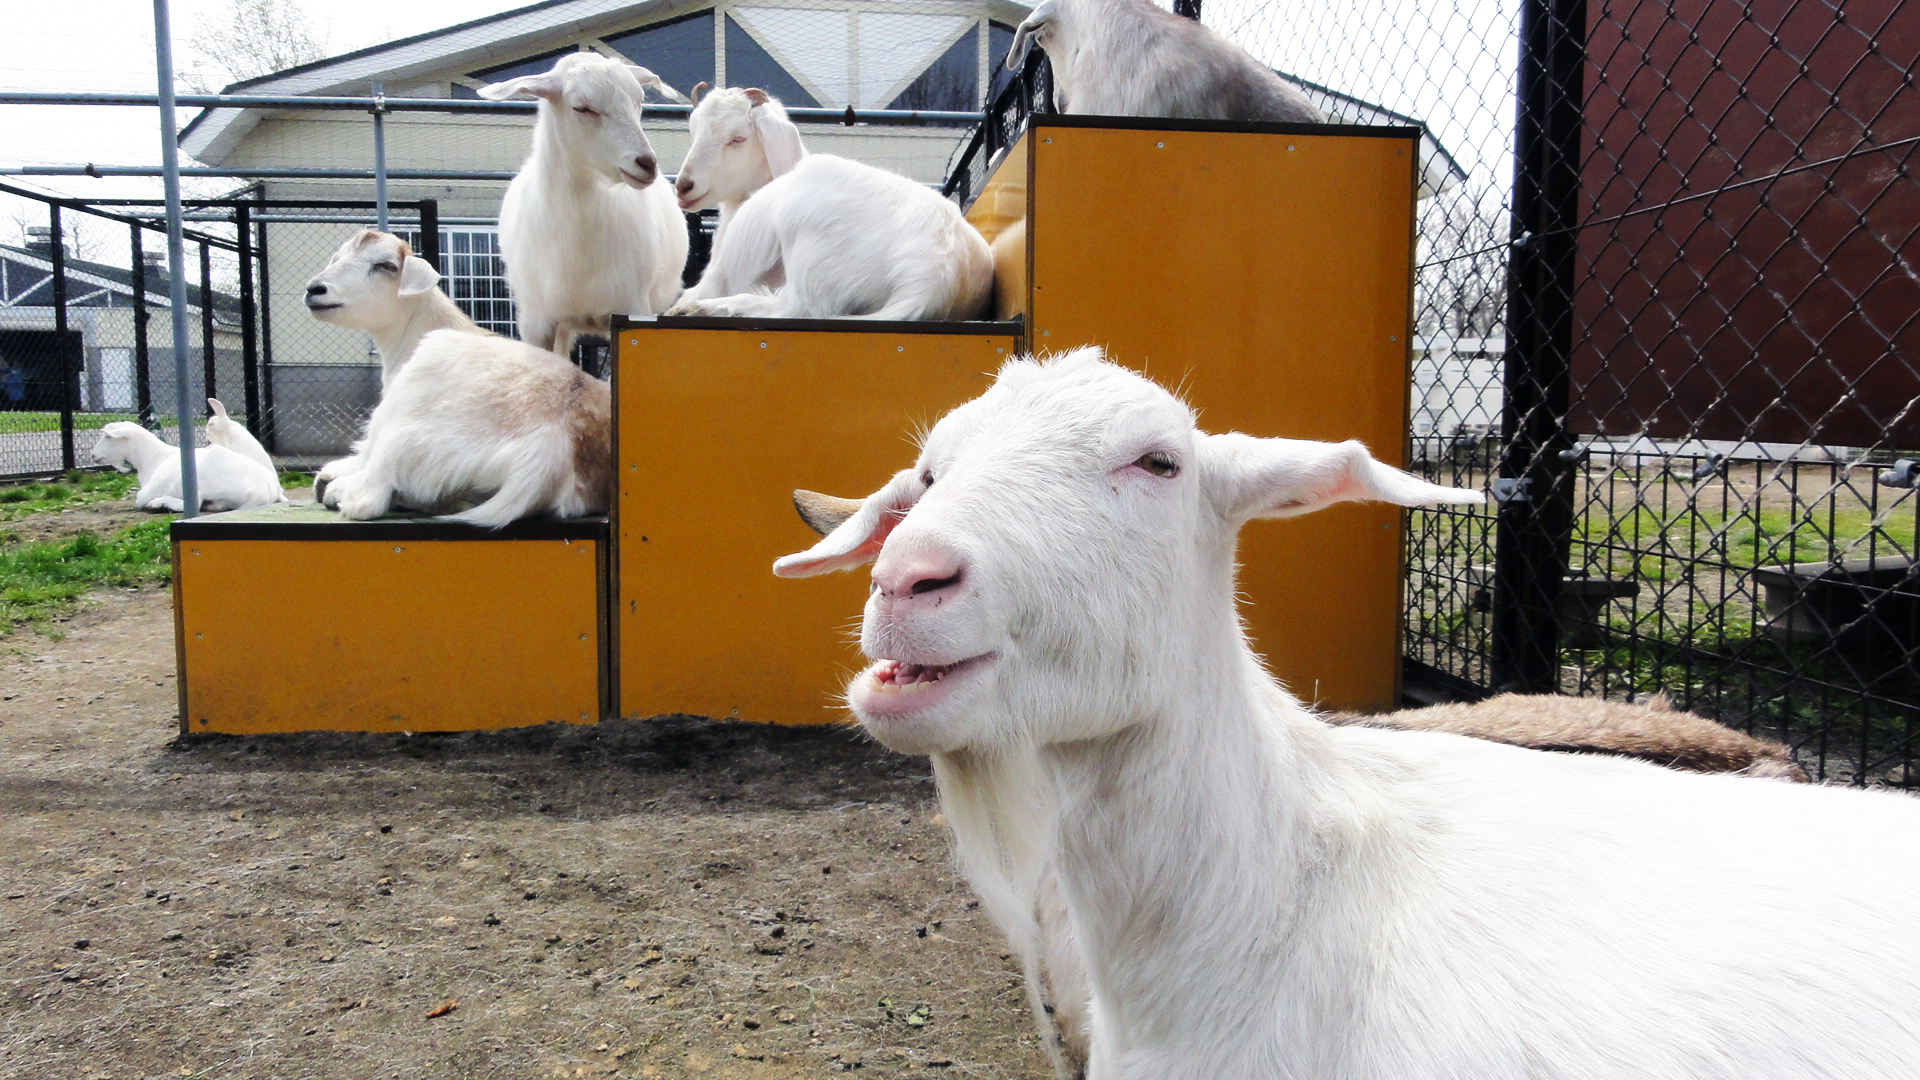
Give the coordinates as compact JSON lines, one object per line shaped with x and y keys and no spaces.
{"x":19,"y":423}
{"x":37,"y":580}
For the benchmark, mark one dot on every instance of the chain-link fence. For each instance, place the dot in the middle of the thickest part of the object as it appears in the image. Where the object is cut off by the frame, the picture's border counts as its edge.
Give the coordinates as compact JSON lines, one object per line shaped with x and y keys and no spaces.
{"x":1669,"y":315}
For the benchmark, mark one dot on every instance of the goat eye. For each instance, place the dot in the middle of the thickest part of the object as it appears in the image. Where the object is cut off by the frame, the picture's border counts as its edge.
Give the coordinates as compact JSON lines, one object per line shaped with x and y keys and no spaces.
{"x":1159,"y":464}
{"x":584,"y":110}
{"x":387,"y":268}
{"x":736,"y":140}
{"x":926,"y":478}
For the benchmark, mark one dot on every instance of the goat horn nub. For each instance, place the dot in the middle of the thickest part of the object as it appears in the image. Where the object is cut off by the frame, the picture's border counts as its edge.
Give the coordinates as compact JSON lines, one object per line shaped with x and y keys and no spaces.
{"x":698,"y":89}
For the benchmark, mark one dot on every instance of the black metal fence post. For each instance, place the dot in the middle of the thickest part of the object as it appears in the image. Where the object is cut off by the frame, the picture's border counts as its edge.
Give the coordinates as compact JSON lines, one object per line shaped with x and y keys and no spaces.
{"x":249,"y":337}
{"x":208,"y":377}
{"x":430,"y":231}
{"x":69,"y":360}
{"x":1535,"y":485}
{"x":142,"y":386}
{"x":267,"y":431}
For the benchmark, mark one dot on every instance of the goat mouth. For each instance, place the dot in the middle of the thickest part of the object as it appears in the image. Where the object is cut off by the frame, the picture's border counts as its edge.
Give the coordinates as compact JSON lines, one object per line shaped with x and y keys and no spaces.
{"x":634,"y":179}
{"x":891,"y":687}
{"x":688,"y":202}
{"x":324,"y":307}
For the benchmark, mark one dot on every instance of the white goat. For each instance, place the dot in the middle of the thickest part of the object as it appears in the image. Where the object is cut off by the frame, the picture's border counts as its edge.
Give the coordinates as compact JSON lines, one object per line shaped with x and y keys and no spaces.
{"x":1252,"y":894}
{"x":1132,"y":58}
{"x":224,"y":430}
{"x":518,"y":430}
{"x":227,"y":480}
{"x":822,"y":236}
{"x":376,"y":284}
{"x":584,"y":229}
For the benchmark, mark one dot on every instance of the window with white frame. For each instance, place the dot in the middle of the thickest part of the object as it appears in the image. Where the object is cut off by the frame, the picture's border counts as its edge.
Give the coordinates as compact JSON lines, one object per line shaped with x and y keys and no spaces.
{"x":474,"y":275}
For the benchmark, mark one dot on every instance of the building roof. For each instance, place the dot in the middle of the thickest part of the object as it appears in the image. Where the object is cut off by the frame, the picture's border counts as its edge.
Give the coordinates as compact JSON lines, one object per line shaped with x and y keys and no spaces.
{"x":485,"y":42}
{"x":539,"y":28}
{"x":26,"y":280}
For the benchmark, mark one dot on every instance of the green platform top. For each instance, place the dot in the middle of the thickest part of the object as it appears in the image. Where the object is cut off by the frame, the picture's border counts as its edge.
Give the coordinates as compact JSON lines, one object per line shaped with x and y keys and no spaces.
{"x":311,"y":521}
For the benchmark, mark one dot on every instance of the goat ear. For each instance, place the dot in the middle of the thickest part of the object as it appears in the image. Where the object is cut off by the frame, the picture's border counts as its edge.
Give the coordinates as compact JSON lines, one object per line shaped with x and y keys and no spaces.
{"x":648,"y":78}
{"x":1037,"y":20}
{"x":417,"y":275}
{"x":699,"y":88}
{"x":218,"y":409}
{"x":858,"y":539}
{"x":823,"y":513}
{"x":1248,"y":477}
{"x":544,"y":85}
{"x":779,"y":137}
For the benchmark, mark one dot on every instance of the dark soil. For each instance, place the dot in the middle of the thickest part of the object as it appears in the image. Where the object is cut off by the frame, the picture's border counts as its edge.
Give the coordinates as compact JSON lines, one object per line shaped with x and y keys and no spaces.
{"x":664,"y":898}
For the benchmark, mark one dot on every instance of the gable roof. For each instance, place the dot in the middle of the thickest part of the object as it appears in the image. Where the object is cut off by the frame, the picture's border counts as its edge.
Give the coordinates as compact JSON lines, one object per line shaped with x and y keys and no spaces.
{"x":485,"y":42}
{"x":86,"y":279}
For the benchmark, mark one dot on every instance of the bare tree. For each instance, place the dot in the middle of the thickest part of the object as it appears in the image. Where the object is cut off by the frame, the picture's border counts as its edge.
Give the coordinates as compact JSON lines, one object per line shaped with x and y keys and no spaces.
{"x":251,"y":38}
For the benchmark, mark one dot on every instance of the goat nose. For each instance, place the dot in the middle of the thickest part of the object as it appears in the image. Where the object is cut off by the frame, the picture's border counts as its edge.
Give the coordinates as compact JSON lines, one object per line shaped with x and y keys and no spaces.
{"x":645,"y":165}
{"x":316,"y":289}
{"x":683,"y":185}
{"x":915,"y":576}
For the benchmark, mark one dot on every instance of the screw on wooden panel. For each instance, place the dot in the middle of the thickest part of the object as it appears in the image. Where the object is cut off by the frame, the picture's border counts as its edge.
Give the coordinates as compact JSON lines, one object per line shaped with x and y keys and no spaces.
{"x":1393,"y":337}
{"x":1046,"y":140}
{"x":1046,"y":333}
{"x":196,"y":551}
{"x":1002,"y":351}
{"x":763,"y":344}
{"x":200,"y":635}
{"x":1289,"y":147}
{"x":899,"y":348}
{"x":396,"y":551}
{"x":583,"y":637}
{"x":1160,"y":145}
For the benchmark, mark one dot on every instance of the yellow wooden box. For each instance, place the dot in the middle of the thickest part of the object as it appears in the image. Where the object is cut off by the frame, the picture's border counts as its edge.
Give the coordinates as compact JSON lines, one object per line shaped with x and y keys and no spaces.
{"x":717,"y":422}
{"x":291,"y":619}
{"x":1266,"y":272}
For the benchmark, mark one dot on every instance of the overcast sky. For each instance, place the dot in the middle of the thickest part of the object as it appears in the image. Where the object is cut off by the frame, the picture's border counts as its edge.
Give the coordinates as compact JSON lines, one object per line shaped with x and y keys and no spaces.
{"x":107,"y":46}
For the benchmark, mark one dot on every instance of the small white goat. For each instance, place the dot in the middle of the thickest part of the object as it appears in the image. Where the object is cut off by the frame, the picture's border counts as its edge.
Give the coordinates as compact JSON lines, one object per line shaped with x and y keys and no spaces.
{"x":1132,"y":58}
{"x":228,"y":480}
{"x":376,"y":284}
{"x":584,"y":229}
{"x":1252,"y":894}
{"x":822,"y":236}
{"x":224,"y":430}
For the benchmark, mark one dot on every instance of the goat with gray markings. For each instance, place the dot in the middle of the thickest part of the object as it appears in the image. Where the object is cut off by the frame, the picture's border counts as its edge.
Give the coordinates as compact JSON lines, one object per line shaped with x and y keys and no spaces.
{"x":1132,"y":58}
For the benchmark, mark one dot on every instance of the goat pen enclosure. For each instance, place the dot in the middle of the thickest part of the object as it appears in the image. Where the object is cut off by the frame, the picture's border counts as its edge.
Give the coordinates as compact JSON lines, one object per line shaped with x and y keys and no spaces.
{"x":1664,"y":307}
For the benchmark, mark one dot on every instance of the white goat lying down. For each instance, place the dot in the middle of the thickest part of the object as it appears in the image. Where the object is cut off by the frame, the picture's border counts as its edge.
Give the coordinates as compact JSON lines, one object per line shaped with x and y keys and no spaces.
{"x":1132,"y":58}
{"x":1251,"y":893}
{"x":375,"y":283}
{"x":224,"y":430}
{"x":466,"y":416}
{"x":518,"y":430}
{"x":822,"y":236}
{"x":227,"y":479}
{"x":584,"y":229}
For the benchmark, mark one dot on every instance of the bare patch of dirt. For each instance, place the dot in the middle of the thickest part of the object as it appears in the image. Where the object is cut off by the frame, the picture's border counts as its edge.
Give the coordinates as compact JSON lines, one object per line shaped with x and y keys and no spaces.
{"x":665,"y":898}
{"x":103,"y":520}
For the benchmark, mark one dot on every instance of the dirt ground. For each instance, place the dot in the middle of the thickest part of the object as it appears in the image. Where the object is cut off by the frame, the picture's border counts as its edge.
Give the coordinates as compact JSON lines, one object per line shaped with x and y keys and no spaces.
{"x":669,"y":898}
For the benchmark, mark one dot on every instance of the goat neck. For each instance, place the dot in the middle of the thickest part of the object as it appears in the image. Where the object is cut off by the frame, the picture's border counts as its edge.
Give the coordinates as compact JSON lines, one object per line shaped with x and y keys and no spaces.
{"x":432,"y":310}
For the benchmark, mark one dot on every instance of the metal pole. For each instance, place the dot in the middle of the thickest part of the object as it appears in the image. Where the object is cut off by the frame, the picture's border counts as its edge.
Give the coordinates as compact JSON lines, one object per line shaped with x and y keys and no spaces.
{"x":208,"y":377}
{"x":1534,"y":527}
{"x":68,"y":369}
{"x":430,"y":232}
{"x":379,"y":156}
{"x":176,"y":256}
{"x":142,"y":349}
{"x":249,"y":335}
{"x":268,"y":431}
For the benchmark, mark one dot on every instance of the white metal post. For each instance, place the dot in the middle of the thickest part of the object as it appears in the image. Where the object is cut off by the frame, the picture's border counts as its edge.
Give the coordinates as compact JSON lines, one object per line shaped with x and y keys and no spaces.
{"x":176,"y":256}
